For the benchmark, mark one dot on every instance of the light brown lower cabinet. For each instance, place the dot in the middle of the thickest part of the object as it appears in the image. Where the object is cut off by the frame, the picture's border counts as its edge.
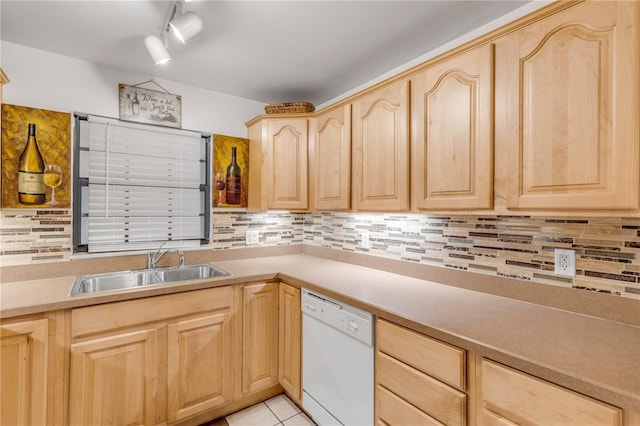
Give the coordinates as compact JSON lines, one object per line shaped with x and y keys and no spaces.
{"x":419,"y":380}
{"x":199,"y":365}
{"x":422,"y":381}
{"x":510,"y":397}
{"x":259,"y":336}
{"x":113,"y":379}
{"x":184,"y":359}
{"x":489,"y":418}
{"x":153,"y":360}
{"x":23,"y":372}
{"x":398,"y":411}
{"x":32,"y":369}
{"x":290,"y":342}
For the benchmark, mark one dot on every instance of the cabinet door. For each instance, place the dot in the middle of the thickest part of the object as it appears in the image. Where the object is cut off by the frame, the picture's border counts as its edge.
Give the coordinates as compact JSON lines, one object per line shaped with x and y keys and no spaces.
{"x":381,"y":149}
{"x":453,"y":149}
{"x":23,"y":373}
{"x":287,"y":164}
{"x":332,"y":159}
{"x":290,"y":338}
{"x":199,"y":365}
{"x":567,"y":108}
{"x":259,"y":337}
{"x":508,"y":395}
{"x":113,"y":380}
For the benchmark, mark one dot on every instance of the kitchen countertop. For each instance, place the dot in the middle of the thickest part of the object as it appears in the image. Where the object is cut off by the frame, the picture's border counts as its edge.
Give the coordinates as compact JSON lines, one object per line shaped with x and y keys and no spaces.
{"x":596,"y":357}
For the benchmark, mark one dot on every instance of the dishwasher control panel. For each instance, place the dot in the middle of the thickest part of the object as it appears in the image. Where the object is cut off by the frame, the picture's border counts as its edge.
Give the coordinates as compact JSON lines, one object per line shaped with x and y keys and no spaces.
{"x":349,"y":320}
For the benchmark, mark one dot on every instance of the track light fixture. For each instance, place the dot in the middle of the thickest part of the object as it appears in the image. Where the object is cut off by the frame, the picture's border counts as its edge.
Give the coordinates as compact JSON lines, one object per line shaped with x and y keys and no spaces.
{"x":157,"y":49}
{"x":184,"y":26}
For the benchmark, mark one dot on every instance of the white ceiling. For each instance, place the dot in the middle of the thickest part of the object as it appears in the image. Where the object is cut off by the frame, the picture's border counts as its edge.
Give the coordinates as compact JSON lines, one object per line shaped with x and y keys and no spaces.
{"x":268,"y":51}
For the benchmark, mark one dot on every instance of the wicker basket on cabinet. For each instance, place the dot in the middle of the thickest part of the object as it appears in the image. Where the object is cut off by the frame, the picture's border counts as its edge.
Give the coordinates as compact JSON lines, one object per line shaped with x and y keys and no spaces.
{"x":290,"y":108}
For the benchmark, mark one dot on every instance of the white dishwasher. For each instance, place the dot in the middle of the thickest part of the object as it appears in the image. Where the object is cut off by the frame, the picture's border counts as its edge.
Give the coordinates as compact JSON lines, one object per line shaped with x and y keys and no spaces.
{"x":337,"y":362}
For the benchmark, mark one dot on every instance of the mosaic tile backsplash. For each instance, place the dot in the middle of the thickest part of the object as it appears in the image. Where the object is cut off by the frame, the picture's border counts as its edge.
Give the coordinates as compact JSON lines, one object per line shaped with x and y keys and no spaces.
{"x":38,"y":236}
{"x":34,"y":236}
{"x":520,"y":247}
{"x":607,"y":249}
{"x":274,"y":228}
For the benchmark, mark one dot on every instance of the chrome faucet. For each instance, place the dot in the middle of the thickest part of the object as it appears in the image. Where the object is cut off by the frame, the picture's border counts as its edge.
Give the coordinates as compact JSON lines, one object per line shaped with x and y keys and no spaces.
{"x":154,"y":257}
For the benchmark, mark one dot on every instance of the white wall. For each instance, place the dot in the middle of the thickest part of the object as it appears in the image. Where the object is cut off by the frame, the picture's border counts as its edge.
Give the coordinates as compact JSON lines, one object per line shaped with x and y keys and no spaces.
{"x":527,"y":8}
{"x":46,"y":80}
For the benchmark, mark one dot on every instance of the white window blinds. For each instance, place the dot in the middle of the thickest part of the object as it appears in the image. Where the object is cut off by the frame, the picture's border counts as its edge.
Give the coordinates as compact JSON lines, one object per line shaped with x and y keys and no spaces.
{"x":146,"y":185}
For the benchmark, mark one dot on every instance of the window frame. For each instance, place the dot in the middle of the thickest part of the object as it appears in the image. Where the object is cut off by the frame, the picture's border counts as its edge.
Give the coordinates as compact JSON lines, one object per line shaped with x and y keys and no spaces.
{"x":78,"y":183}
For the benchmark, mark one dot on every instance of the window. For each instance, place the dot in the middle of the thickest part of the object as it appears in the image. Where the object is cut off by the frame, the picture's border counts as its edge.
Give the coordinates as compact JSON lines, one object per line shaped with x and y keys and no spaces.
{"x":137,"y":186}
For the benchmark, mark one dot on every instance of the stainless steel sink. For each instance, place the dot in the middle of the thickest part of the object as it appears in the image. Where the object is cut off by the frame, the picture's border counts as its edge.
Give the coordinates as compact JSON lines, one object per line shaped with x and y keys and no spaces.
{"x":191,"y":272}
{"x":116,"y":281}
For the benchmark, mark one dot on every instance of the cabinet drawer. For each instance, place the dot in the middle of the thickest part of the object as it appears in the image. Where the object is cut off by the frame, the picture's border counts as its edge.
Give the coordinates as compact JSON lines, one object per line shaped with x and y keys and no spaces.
{"x":392,"y":410}
{"x":438,"y":400}
{"x":96,"y":319}
{"x":523,"y":398}
{"x":444,"y":362}
{"x":492,"y":419}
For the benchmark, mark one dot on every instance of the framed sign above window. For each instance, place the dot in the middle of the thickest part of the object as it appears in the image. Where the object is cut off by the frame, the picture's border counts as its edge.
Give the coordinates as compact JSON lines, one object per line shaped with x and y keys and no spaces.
{"x":150,"y":106}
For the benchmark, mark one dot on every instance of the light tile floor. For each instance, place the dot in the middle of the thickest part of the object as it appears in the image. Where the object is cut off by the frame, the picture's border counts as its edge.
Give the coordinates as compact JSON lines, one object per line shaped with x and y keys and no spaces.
{"x":276,"y":411}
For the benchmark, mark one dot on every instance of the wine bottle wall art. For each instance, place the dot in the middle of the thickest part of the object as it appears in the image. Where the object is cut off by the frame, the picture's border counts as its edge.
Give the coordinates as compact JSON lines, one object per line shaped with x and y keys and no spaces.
{"x":230,"y":171}
{"x":36,"y":158}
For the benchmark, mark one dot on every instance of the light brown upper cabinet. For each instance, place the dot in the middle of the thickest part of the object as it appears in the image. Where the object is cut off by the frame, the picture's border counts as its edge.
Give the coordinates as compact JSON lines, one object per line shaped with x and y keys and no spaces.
{"x":567,"y":108}
{"x":381,"y":149}
{"x":278,"y":151}
{"x":331,"y":159}
{"x":452,"y":157}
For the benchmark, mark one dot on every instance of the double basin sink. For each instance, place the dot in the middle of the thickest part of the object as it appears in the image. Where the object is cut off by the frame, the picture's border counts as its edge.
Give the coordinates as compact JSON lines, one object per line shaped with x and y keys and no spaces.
{"x":88,"y":284}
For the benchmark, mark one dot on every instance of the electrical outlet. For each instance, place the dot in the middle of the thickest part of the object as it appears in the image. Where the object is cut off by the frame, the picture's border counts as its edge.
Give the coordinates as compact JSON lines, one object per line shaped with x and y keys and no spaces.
{"x":565,"y":263}
{"x":364,"y":240}
{"x":252,"y":237}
